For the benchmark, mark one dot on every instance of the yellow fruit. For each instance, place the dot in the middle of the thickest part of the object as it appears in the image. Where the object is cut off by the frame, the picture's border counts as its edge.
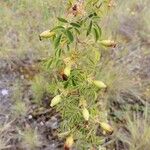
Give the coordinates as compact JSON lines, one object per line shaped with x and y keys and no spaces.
{"x":99,"y":84}
{"x":55,"y":100}
{"x":108,"y":43}
{"x":67,"y":70}
{"x":46,"y":34}
{"x":106,"y":127}
{"x":69,"y":142}
{"x":86,"y":114}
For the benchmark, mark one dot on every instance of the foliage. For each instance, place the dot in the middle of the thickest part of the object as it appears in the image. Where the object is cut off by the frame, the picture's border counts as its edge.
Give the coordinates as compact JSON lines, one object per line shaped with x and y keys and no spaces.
{"x":74,"y":70}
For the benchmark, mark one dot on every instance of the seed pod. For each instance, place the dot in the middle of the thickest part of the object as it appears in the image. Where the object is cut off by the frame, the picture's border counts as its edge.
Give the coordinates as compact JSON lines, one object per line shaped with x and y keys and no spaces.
{"x":67,"y":70}
{"x":86,"y":114}
{"x":106,"y":127}
{"x":69,"y":142}
{"x":99,"y":84}
{"x":108,"y":43}
{"x":46,"y":34}
{"x":55,"y":100}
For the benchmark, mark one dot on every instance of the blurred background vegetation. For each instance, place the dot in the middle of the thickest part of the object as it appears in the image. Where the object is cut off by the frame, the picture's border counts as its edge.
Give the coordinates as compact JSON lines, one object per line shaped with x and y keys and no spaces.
{"x":22,"y":21}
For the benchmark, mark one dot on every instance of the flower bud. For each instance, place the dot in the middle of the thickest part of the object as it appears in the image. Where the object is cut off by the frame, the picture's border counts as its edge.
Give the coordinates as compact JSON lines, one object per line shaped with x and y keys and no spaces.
{"x":108,"y":43}
{"x":55,"y":100}
{"x":69,"y":142}
{"x":85,"y":113}
{"x":106,"y":127}
{"x":99,"y":84}
{"x":67,"y":70}
{"x":46,"y":34}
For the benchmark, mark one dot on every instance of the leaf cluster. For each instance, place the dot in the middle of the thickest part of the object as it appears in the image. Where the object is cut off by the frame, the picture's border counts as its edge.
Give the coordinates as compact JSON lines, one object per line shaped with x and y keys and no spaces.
{"x":75,"y":44}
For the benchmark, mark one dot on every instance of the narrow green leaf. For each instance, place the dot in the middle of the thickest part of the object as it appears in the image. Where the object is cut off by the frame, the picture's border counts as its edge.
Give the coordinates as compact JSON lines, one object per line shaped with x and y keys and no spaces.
{"x":57,"y":41}
{"x":66,"y":84}
{"x":77,"y":25}
{"x":91,"y":60}
{"x":80,"y":22}
{"x":89,"y":28}
{"x":69,"y":28}
{"x":58,"y":52}
{"x":93,"y":14}
{"x":95,"y":33}
{"x":57,"y":27}
{"x":54,"y":37}
{"x":73,"y":82}
{"x":49,"y":63}
{"x":77,"y":30}
{"x":96,"y":18}
{"x":97,"y":55}
{"x":69,"y":4}
{"x":62,"y":20}
{"x":68,"y":48}
{"x":69,"y":35}
{"x":99,"y":29}
{"x":57,"y":62}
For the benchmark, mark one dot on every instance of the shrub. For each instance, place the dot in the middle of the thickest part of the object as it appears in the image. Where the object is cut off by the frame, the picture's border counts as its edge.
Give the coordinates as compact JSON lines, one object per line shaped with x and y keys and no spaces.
{"x":78,"y":55}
